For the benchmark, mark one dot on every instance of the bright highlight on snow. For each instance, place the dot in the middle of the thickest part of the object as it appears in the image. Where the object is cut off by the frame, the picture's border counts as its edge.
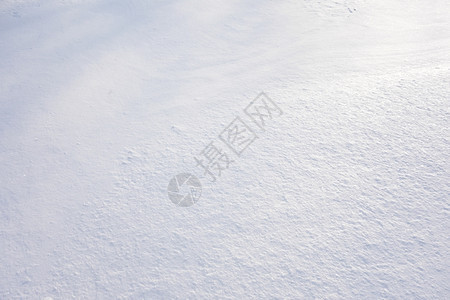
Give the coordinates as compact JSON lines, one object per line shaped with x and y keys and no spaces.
{"x":139,"y":161}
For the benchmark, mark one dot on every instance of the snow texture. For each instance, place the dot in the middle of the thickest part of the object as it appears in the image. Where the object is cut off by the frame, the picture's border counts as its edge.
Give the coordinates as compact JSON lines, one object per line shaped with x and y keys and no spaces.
{"x":343,"y":196}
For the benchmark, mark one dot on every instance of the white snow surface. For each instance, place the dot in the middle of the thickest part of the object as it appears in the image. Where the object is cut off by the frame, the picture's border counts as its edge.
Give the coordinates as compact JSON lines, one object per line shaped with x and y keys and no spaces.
{"x":344,"y":196}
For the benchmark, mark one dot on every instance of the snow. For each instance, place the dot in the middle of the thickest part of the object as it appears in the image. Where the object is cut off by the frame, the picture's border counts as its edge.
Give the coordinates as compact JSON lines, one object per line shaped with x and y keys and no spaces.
{"x":344,"y":195}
